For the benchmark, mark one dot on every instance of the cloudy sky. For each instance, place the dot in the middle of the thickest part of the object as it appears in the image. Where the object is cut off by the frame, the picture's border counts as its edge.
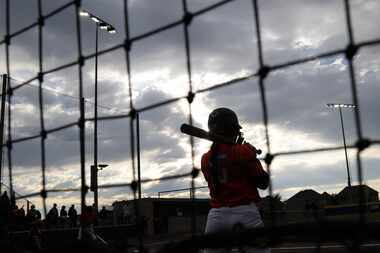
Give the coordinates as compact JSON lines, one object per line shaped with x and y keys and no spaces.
{"x":223,"y":47}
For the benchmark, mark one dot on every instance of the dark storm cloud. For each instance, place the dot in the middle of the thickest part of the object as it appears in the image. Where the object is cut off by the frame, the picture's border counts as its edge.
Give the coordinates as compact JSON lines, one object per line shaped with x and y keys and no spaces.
{"x":298,"y":95}
{"x":114,"y":144}
{"x":155,"y":126}
{"x":285,"y":24}
{"x":60,"y":44}
{"x":226,"y":34}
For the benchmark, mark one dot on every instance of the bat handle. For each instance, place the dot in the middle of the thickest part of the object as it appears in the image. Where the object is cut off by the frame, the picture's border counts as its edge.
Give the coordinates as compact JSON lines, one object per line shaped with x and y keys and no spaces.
{"x":258,"y":151}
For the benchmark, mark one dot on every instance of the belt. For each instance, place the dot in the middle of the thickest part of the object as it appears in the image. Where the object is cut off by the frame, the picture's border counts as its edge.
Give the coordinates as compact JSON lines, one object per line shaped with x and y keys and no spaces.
{"x":234,"y":204}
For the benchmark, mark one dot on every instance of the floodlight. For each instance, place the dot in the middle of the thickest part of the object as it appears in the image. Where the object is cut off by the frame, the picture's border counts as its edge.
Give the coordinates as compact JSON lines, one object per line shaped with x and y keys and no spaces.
{"x":103,"y":26}
{"x":341,"y":105}
{"x":111,"y":29}
{"x":95,"y":19}
{"x":84,"y":13}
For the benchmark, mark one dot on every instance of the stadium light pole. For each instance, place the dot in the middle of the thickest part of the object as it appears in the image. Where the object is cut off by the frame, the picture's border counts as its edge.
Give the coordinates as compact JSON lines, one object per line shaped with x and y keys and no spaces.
{"x":102,"y":25}
{"x":340,"y":106}
{"x":94,"y":181}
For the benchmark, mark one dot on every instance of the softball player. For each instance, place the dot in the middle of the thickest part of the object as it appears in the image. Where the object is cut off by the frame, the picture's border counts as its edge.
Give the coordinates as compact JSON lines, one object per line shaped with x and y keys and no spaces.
{"x":233,"y":174}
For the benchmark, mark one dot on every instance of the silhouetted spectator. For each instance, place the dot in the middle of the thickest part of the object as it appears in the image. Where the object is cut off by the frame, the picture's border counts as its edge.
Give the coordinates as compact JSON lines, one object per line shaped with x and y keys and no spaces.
{"x":21,"y":218}
{"x":5,"y":199}
{"x":21,"y":212}
{"x":13,"y":218}
{"x":73,"y":216}
{"x":63,"y":212}
{"x":5,"y":209}
{"x":52,"y":216}
{"x":63,"y":216}
{"x":33,"y":214}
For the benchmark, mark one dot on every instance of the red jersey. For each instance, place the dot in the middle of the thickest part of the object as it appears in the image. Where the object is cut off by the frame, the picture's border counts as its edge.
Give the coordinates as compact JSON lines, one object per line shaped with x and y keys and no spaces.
{"x":231,"y":172}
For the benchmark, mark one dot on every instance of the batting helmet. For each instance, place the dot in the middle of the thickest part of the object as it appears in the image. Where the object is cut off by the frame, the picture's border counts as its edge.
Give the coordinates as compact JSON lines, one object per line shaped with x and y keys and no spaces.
{"x":223,"y":121}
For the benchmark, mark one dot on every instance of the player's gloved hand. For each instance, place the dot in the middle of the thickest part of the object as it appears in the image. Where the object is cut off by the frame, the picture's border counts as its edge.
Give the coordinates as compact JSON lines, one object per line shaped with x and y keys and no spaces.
{"x":251,"y":147}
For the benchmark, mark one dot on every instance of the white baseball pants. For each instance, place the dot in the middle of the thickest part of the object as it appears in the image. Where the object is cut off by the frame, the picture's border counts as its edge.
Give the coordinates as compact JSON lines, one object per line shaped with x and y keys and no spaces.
{"x":227,"y":219}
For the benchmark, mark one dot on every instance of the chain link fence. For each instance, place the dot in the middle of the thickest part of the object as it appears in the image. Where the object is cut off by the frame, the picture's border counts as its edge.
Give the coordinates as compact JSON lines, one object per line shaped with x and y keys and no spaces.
{"x":272,"y":234}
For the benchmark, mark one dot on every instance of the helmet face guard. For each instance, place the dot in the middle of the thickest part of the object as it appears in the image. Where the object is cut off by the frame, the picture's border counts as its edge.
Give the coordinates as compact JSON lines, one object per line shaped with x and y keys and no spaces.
{"x":224,"y":121}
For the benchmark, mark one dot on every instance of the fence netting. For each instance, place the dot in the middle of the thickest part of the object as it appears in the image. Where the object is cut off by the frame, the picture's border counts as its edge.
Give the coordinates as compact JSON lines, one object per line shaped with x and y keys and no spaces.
{"x":316,"y":233}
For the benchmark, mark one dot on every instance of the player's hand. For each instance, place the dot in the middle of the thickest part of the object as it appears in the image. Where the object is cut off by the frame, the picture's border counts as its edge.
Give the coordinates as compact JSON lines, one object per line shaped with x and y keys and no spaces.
{"x":251,"y":147}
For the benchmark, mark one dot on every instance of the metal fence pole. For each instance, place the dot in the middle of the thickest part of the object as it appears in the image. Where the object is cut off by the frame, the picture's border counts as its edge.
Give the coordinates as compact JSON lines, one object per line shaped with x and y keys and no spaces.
{"x":96,"y":120}
{"x":3,"y":97}
{"x":82,"y":147}
{"x":138,"y":155}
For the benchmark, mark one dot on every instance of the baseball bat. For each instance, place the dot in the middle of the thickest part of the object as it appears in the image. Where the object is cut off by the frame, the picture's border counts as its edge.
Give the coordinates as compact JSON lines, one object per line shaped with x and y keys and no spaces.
{"x":200,"y":133}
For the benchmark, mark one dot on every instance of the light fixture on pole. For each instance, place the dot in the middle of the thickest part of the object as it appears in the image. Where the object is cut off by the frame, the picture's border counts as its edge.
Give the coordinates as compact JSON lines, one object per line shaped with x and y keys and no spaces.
{"x":84,"y":13}
{"x":111,"y":29}
{"x":98,"y":21}
{"x":95,"y":19}
{"x":103,"y":25}
{"x":340,"y":106}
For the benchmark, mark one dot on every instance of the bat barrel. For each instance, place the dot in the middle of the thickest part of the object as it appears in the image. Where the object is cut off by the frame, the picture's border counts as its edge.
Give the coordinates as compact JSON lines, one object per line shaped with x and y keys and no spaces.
{"x":200,"y":133}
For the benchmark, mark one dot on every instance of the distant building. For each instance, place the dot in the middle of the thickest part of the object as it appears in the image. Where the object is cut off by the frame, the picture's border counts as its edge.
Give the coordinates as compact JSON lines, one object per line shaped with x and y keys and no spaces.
{"x":174,"y":215}
{"x":351,"y":195}
{"x":163,"y":215}
{"x":303,"y":200}
{"x":304,"y":205}
{"x":122,"y":212}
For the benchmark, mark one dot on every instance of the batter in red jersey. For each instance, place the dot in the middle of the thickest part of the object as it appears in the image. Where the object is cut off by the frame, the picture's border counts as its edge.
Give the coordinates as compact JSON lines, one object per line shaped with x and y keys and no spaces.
{"x":233,"y":174}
